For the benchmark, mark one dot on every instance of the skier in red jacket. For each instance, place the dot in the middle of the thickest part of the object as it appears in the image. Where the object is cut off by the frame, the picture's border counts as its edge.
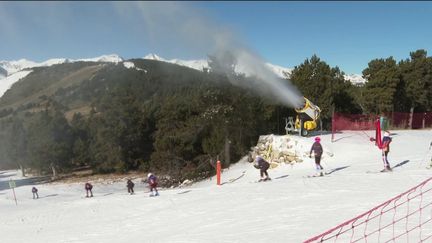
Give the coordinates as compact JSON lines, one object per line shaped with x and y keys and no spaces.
{"x":152,"y":181}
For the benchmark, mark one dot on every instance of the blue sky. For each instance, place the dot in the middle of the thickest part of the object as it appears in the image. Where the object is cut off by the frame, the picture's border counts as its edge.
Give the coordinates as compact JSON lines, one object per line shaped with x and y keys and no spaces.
{"x":344,"y":34}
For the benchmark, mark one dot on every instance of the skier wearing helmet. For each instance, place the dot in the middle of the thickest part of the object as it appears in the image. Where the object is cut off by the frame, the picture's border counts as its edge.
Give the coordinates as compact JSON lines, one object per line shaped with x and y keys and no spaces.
{"x":317,"y":150}
{"x":152,"y":181}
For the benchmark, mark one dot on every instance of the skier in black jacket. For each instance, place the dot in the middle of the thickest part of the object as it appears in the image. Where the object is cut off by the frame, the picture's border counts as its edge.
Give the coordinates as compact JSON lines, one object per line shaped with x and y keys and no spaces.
{"x":263,"y":166}
{"x":318,"y":151}
{"x":35,"y":193}
{"x":130,"y":185}
{"x":88,"y":187}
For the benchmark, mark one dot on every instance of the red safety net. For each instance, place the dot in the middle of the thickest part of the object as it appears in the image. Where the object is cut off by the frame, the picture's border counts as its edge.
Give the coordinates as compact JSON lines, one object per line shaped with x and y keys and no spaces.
{"x":404,"y":218}
{"x":362,"y":123}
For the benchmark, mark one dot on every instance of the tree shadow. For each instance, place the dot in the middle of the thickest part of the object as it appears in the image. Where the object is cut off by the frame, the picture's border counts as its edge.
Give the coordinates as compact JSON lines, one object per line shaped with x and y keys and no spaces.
{"x":348,"y":136}
{"x":24,"y":181}
{"x":235,"y":179}
{"x":401,"y":163}
{"x":4,"y":176}
{"x":183,"y":192}
{"x":336,"y":169}
{"x":51,"y":195}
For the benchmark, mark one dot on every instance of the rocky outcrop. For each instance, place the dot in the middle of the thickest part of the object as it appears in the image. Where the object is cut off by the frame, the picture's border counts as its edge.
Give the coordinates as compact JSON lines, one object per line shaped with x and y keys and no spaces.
{"x":277,"y":150}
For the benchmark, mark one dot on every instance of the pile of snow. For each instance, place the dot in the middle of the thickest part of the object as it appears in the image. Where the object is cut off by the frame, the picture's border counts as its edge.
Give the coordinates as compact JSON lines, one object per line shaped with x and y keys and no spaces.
{"x":289,"y":208}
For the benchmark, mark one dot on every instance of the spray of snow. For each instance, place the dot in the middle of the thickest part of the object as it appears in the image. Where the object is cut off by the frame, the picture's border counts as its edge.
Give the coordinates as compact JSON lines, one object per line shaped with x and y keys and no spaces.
{"x":185,"y":27}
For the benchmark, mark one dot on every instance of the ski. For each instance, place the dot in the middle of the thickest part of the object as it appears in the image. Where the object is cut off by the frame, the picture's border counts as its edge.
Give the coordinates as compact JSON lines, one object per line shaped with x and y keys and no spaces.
{"x":378,"y":172}
{"x":313,"y":176}
{"x":261,"y":180}
{"x":317,"y":175}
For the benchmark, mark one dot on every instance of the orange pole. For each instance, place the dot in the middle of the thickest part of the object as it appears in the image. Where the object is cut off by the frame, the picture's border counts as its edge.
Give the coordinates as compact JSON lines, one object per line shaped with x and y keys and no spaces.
{"x":218,"y":172}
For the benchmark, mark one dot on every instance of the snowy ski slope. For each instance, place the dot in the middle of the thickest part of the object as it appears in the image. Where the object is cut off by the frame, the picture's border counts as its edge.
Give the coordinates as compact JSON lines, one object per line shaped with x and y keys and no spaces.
{"x":290,"y":208}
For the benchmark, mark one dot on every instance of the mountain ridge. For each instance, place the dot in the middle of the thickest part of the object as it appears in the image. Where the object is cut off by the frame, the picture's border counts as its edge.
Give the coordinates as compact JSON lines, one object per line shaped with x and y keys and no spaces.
{"x":8,"y":68}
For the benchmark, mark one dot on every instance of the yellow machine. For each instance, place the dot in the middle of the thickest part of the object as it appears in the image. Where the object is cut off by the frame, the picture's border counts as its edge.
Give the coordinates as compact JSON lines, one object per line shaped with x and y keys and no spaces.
{"x":306,"y":120}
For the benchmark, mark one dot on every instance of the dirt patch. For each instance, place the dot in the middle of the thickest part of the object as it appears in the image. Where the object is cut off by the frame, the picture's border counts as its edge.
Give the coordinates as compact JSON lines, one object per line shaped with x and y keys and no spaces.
{"x":87,"y":175}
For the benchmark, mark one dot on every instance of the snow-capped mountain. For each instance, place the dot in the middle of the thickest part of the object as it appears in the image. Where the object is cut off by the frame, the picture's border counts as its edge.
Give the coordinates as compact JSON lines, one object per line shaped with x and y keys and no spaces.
{"x":202,"y":64}
{"x":6,"y":82}
{"x":12,"y":67}
{"x":199,"y":64}
{"x":280,"y":71}
{"x":3,"y":73}
{"x":13,"y":71}
{"x":105,"y":58}
{"x":23,"y":67}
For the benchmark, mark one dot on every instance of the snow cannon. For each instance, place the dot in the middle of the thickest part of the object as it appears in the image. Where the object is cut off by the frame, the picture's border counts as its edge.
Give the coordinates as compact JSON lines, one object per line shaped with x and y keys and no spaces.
{"x":307,"y":117}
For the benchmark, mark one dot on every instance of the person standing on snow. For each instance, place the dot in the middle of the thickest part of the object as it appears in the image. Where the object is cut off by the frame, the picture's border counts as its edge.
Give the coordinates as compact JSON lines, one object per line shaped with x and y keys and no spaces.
{"x":35,"y":193}
{"x":130,"y":185}
{"x":263,"y":166}
{"x":318,"y":151}
{"x":385,"y":150}
{"x":430,"y":146}
{"x":152,"y":181}
{"x":88,"y":187}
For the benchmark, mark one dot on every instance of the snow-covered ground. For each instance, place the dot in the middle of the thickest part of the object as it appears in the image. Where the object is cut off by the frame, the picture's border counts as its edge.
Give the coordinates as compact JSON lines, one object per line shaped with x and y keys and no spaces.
{"x":290,"y":208}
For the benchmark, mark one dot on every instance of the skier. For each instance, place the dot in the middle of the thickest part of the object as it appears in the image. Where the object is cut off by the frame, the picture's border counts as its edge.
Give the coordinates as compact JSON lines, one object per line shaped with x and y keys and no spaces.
{"x":130,"y":185}
{"x":35,"y":193}
{"x":152,"y":181}
{"x":262,"y":165}
{"x":385,"y":150}
{"x":88,"y":187}
{"x":318,"y":151}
